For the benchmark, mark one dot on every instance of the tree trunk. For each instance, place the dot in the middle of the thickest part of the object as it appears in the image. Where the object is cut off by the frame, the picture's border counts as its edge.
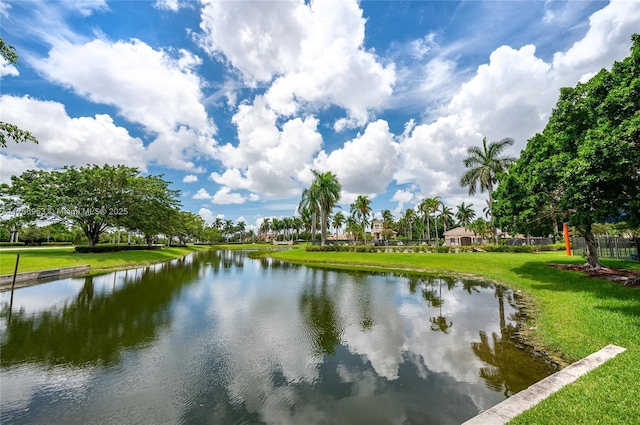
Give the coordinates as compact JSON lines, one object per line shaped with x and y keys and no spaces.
{"x":323,"y":228}
{"x":592,"y":248}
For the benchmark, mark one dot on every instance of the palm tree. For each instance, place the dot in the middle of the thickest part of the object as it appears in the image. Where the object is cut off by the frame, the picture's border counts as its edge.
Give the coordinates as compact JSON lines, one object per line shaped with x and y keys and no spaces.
{"x":427,"y":207}
{"x":465,"y":214}
{"x":228,"y":228}
{"x":241,"y":227}
{"x":361,"y":209}
{"x":338,"y":220}
{"x":484,"y":168}
{"x":297,"y":224}
{"x":446,"y":216}
{"x":321,"y":197}
{"x":387,"y":222}
{"x":410,"y":217}
{"x":265,"y":227}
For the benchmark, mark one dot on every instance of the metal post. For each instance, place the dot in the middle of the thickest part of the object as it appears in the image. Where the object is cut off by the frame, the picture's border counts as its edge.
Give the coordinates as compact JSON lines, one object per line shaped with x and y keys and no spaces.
{"x":15,"y":272}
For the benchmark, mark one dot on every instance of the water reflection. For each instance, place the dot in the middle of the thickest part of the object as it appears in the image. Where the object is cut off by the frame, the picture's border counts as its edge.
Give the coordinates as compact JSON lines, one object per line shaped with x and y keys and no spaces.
{"x":95,"y":327}
{"x":508,"y":365}
{"x":221,"y":338}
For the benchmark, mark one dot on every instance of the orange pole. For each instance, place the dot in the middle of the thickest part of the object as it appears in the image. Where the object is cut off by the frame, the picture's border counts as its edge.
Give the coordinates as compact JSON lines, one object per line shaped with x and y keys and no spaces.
{"x":567,"y":242}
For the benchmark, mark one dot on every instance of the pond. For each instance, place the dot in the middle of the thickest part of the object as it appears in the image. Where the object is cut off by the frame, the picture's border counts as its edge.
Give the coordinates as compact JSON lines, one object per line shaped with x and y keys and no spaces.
{"x":220,"y":338}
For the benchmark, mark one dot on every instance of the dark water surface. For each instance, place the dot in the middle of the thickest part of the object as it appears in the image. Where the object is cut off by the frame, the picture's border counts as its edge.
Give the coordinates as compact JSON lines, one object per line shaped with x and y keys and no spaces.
{"x":219,"y":338}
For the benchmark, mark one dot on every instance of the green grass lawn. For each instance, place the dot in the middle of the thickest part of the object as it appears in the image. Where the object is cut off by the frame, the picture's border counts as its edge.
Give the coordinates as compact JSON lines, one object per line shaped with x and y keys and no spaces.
{"x":573,"y":316}
{"x":43,"y":259}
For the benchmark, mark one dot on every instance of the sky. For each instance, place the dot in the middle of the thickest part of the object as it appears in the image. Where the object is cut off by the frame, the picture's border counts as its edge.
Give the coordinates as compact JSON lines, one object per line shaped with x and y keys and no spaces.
{"x":235,"y":102}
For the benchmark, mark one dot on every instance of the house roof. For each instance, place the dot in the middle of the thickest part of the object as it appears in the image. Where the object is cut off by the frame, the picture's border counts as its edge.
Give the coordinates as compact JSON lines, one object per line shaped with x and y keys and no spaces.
{"x":458,"y":232}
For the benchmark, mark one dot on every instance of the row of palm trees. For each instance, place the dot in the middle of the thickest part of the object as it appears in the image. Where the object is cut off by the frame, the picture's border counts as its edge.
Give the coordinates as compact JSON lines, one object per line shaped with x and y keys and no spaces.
{"x":485,"y":165}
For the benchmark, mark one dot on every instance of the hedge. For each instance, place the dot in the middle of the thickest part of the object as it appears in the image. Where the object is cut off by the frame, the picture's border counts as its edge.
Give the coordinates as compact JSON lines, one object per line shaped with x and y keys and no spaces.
{"x":11,"y":243}
{"x":115,"y":248}
{"x":432,"y":249}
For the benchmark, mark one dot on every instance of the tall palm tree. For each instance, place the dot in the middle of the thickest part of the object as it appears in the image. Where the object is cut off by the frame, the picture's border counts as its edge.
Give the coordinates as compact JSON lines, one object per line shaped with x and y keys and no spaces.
{"x":361,"y":209}
{"x":446,"y":216}
{"x":265,"y":227}
{"x":321,"y":197}
{"x":410,"y":217}
{"x":485,"y":165}
{"x":338,"y":220}
{"x":465,"y":214}
{"x":427,"y":207}
{"x":241,"y":226}
{"x":387,"y":222}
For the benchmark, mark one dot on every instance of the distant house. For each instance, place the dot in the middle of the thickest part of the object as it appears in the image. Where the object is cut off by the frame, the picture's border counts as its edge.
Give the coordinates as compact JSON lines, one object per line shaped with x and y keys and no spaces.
{"x":461,"y":236}
{"x":378,"y":231}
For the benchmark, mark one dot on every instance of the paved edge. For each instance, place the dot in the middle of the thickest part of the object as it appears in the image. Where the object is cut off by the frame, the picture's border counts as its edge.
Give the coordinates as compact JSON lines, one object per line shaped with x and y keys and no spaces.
{"x":526,"y":399}
{"x":41,"y":276}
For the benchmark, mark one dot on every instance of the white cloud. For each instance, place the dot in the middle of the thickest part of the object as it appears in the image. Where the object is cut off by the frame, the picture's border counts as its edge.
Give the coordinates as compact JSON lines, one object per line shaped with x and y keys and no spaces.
{"x":365,"y":164}
{"x":150,"y":87}
{"x":85,"y":7}
{"x":172,"y":5}
{"x":510,"y":96}
{"x":69,"y":141}
{"x":267,"y":159}
{"x":13,"y":166}
{"x":310,"y":54}
{"x":190,"y":178}
{"x":402,"y":197}
{"x":207,"y":215}
{"x":6,"y":68}
{"x":225,"y":196}
{"x":202,"y":194}
{"x":607,"y":40}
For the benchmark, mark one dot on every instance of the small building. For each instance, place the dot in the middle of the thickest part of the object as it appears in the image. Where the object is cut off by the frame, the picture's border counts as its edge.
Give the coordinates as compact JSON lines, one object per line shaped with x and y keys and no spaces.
{"x":461,"y":236}
{"x":378,"y":231}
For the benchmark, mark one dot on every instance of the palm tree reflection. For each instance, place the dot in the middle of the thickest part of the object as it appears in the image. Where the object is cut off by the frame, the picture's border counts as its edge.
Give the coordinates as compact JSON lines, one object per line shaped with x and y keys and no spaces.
{"x":319,"y":313}
{"x":509,"y":368}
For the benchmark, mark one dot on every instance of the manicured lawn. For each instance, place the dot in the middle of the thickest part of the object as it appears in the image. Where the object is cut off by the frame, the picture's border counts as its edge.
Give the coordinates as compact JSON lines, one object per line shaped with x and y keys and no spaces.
{"x":43,"y":259}
{"x":573,"y":316}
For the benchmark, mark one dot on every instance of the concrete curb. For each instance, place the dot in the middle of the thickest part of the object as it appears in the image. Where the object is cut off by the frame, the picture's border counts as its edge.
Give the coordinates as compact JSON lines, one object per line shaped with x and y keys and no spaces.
{"x":30,"y":278}
{"x":526,"y":399}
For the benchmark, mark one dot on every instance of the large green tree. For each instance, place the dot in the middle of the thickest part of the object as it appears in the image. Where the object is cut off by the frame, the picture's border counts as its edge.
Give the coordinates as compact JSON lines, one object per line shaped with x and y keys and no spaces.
{"x":585,"y":166}
{"x":7,"y":130}
{"x":485,"y":166}
{"x":93,"y":198}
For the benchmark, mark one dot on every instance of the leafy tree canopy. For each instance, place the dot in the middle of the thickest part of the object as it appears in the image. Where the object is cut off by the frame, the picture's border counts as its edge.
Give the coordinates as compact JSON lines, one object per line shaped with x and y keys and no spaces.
{"x":7,"y":130}
{"x":585,"y":166}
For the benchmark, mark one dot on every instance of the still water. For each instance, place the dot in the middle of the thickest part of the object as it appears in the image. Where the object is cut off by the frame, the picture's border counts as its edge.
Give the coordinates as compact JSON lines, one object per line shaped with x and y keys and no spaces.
{"x":220,"y":338}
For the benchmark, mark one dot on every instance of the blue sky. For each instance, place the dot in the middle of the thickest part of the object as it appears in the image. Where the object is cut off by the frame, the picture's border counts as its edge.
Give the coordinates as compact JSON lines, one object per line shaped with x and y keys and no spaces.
{"x":235,"y":102}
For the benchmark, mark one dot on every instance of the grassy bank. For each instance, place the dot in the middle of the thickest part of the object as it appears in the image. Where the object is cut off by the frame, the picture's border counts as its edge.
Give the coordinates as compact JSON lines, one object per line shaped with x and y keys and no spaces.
{"x":43,"y":259}
{"x":573,"y":316}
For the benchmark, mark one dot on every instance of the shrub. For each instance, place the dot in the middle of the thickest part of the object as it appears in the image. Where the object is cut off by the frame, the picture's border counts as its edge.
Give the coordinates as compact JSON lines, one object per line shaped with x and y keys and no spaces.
{"x":114,"y":248}
{"x":11,"y":243}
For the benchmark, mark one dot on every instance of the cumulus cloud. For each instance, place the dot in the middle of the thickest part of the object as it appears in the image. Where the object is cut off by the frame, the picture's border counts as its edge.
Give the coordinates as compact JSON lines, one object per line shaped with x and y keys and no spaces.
{"x":268,"y":159}
{"x":207,"y":215}
{"x":190,"y":178}
{"x":150,"y":87}
{"x":6,"y":68}
{"x":172,"y":5}
{"x":14,"y":166}
{"x":510,"y":96}
{"x":69,"y":141}
{"x":309,"y":53}
{"x":365,"y":164}
{"x":225,"y":196}
{"x":202,"y":194}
